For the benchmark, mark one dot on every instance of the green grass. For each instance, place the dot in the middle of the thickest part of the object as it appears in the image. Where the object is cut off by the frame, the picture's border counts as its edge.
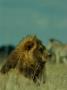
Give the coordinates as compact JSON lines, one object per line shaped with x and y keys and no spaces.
{"x":56,"y":79}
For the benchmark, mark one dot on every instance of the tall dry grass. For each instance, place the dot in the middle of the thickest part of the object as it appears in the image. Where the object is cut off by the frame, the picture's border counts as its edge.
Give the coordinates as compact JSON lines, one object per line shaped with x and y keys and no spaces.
{"x":56,"y":79}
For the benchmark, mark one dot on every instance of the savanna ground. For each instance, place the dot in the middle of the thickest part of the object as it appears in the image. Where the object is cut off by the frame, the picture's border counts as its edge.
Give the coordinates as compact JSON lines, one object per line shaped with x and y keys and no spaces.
{"x":56,"y":79}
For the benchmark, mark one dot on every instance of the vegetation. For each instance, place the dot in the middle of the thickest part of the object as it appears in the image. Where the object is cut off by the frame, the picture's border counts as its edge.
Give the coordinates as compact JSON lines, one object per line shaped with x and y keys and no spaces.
{"x":56,"y":79}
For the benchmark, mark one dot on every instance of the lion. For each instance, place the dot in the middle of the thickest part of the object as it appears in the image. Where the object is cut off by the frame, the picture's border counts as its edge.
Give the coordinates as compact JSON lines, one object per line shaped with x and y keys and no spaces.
{"x":58,"y":50}
{"x":29,"y":57}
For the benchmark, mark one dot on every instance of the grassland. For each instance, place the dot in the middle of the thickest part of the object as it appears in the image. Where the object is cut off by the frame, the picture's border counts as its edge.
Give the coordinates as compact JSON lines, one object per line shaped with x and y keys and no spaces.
{"x":56,"y":79}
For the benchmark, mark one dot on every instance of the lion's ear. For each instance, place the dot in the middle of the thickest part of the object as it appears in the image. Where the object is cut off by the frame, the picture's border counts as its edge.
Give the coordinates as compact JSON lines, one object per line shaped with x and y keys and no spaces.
{"x":28,"y":45}
{"x":10,"y":63}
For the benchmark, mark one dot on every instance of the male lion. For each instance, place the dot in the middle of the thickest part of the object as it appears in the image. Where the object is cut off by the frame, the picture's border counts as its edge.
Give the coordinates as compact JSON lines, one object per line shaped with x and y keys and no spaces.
{"x":29,"y":58}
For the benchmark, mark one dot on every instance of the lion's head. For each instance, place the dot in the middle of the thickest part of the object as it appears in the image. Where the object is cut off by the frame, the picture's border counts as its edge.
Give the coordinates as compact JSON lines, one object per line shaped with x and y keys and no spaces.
{"x":29,"y":57}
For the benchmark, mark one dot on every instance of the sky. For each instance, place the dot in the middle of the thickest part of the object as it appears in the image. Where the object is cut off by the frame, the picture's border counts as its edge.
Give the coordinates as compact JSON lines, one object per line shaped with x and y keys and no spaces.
{"x":45,"y":18}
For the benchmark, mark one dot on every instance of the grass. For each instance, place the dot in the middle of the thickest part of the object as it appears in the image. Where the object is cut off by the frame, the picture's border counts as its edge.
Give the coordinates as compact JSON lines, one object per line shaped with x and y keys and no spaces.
{"x":56,"y":79}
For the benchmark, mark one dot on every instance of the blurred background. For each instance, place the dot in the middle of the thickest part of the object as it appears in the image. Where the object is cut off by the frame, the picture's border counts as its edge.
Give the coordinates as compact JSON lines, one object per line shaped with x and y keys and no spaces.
{"x":45,"y":18}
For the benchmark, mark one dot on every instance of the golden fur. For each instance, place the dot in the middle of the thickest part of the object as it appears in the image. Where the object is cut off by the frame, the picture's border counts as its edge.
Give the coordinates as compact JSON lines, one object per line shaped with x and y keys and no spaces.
{"x":29,"y":58}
